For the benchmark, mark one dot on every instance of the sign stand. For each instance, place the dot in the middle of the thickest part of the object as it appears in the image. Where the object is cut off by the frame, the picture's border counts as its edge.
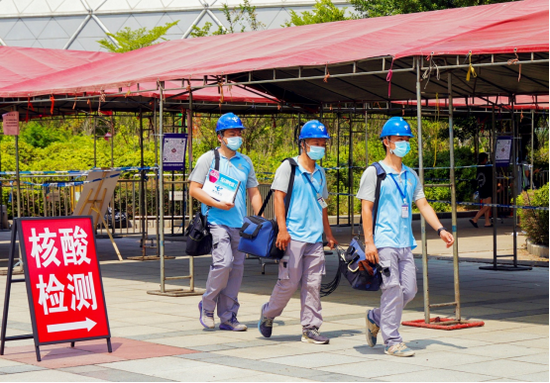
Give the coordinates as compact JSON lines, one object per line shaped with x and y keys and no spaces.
{"x":60,"y":313}
{"x":98,"y":206}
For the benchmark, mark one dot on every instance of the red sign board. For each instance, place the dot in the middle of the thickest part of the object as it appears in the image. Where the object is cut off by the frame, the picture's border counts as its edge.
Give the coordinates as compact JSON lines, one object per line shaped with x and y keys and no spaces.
{"x":63,"y":279}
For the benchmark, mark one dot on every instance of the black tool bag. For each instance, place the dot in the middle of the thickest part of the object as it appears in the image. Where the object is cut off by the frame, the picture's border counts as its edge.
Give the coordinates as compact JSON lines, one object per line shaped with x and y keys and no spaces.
{"x":369,"y":276}
{"x":259,"y":235}
{"x":199,"y":239}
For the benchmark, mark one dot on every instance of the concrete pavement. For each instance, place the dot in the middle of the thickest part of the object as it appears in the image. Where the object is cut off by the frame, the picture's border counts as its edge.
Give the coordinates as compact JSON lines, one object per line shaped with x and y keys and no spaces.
{"x":159,"y":338}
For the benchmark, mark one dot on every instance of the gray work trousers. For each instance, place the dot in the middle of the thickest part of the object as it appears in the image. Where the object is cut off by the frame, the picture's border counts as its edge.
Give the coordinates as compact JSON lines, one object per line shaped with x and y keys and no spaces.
{"x":226,"y":273}
{"x":303,"y":265}
{"x":397,"y":290}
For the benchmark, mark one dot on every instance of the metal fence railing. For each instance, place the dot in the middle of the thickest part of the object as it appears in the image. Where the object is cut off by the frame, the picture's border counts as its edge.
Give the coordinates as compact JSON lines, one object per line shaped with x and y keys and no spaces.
{"x":132,"y":210}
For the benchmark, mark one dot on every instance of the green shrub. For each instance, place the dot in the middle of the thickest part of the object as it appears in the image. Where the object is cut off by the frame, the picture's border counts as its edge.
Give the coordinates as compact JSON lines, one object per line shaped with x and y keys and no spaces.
{"x":535,"y":222}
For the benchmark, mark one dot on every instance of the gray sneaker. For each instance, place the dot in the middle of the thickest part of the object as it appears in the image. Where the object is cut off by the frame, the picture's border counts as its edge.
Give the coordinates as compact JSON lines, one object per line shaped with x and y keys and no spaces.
{"x":399,"y":349}
{"x":206,"y":318}
{"x":265,"y":324}
{"x":311,"y":335}
{"x":372,"y":330}
{"x":233,"y":325}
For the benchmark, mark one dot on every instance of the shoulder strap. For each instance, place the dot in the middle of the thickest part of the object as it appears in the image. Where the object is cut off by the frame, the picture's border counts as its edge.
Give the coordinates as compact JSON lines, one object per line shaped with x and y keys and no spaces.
{"x":216,"y":159}
{"x":380,"y":176}
{"x":293,"y":166}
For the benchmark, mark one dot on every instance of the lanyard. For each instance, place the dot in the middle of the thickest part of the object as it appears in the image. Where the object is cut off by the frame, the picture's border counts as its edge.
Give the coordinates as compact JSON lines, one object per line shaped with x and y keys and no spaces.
{"x":399,"y":187}
{"x":311,"y":183}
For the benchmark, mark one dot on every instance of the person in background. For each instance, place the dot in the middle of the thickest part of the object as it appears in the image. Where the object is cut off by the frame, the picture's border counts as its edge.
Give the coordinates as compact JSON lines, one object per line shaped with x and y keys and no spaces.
{"x":392,"y":243}
{"x":225,"y":220}
{"x":485,"y":190}
{"x":300,"y":235}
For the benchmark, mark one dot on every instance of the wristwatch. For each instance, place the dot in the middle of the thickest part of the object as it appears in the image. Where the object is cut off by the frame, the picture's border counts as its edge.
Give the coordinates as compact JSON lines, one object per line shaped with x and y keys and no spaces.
{"x":440,"y":230}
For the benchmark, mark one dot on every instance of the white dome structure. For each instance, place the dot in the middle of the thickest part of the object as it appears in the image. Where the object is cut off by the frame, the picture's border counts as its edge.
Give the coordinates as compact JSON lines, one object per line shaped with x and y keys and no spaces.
{"x":78,"y":24}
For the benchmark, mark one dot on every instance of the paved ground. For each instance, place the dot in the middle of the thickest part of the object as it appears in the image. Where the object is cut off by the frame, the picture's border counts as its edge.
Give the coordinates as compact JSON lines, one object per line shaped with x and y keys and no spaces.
{"x":159,"y":338}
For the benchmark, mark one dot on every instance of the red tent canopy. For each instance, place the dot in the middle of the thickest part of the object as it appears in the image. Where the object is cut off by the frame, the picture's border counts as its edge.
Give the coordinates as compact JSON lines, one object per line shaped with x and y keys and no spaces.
{"x":19,"y":64}
{"x":520,"y":26}
{"x":220,"y":94}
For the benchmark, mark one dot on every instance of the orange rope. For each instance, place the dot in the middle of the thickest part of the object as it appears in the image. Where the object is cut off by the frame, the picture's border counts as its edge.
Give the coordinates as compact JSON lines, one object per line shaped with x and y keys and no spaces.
{"x":52,"y":99}
{"x":327,"y":75}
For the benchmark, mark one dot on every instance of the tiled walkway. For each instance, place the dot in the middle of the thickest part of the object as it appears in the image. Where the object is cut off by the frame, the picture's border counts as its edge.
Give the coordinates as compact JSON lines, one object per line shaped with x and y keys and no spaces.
{"x":159,"y":338}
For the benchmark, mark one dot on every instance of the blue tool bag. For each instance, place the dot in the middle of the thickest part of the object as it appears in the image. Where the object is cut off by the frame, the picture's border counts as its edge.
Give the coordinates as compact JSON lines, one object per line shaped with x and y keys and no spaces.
{"x":258,"y":235}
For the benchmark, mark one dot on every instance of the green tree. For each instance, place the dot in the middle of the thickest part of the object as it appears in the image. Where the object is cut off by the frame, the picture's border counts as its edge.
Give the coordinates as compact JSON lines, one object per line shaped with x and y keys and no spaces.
{"x":377,"y":8}
{"x":239,"y":19}
{"x":324,"y":11}
{"x":129,"y":39}
{"x":39,"y":135}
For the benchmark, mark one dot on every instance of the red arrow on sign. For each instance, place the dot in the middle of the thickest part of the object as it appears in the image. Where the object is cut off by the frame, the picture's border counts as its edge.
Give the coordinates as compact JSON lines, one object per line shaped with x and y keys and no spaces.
{"x":86,"y":324}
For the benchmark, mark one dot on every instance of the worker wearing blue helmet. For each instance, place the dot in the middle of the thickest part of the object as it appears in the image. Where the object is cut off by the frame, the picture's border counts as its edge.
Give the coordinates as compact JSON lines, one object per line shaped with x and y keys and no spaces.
{"x":391,"y":242}
{"x":225,"y":219}
{"x":300,"y":235}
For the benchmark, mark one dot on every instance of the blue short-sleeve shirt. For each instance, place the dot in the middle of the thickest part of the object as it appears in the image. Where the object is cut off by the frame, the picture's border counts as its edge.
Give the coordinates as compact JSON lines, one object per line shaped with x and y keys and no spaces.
{"x":391,"y":230}
{"x":238,"y":167}
{"x":305,"y":216}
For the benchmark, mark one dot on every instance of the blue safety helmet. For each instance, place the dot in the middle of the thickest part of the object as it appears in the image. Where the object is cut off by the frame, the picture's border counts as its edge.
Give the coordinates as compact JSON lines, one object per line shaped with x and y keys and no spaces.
{"x":396,"y":126}
{"x":313,"y":129}
{"x":229,"y":121}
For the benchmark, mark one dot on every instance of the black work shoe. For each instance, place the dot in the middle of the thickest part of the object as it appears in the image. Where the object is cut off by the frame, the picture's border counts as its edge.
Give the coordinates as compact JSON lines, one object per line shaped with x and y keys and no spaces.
{"x":265,"y":324}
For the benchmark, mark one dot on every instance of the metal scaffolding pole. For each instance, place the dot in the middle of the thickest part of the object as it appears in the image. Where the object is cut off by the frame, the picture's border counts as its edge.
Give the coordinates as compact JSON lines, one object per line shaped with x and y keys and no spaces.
{"x":421,"y":177}
{"x":439,"y":323}
{"x":532,"y":148}
{"x":366,"y":135}
{"x":453,"y":200}
{"x":17,"y":178}
{"x":186,"y":291}
{"x":338,"y":169}
{"x":161,"y":189}
{"x":495,"y":186}
{"x":190,"y":148}
{"x":516,"y":179}
{"x":351,"y":212}
{"x":515,"y":185}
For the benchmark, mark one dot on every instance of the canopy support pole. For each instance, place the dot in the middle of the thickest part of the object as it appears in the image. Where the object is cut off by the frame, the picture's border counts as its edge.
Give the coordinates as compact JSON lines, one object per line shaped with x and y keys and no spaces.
{"x":351,"y":212}
{"x":532,"y":147}
{"x":495,"y":187}
{"x":365,"y":105}
{"x":515,"y":137}
{"x":421,"y":177}
{"x":516,"y":177}
{"x":338,"y":169}
{"x":440,"y":323}
{"x":161,"y":189}
{"x":17,"y":178}
{"x":185,"y":291}
{"x":453,"y":200}
{"x":95,"y":142}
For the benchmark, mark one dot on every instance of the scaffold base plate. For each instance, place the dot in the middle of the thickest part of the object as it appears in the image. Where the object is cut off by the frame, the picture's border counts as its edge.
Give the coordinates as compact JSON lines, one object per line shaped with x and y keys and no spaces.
{"x":506,"y":268}
{"x":443,"y":323}
{"x":184,"y":292}
{"x":149,"y":258}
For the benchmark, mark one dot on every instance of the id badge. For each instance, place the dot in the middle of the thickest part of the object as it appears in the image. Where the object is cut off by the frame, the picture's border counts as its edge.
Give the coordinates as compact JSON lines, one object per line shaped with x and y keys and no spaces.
{"x":321,"y":201}
{"x":404,"y":211}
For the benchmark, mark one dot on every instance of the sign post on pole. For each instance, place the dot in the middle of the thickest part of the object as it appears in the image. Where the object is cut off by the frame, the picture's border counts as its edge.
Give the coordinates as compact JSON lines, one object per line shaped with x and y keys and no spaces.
{"x":63,"y":281}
